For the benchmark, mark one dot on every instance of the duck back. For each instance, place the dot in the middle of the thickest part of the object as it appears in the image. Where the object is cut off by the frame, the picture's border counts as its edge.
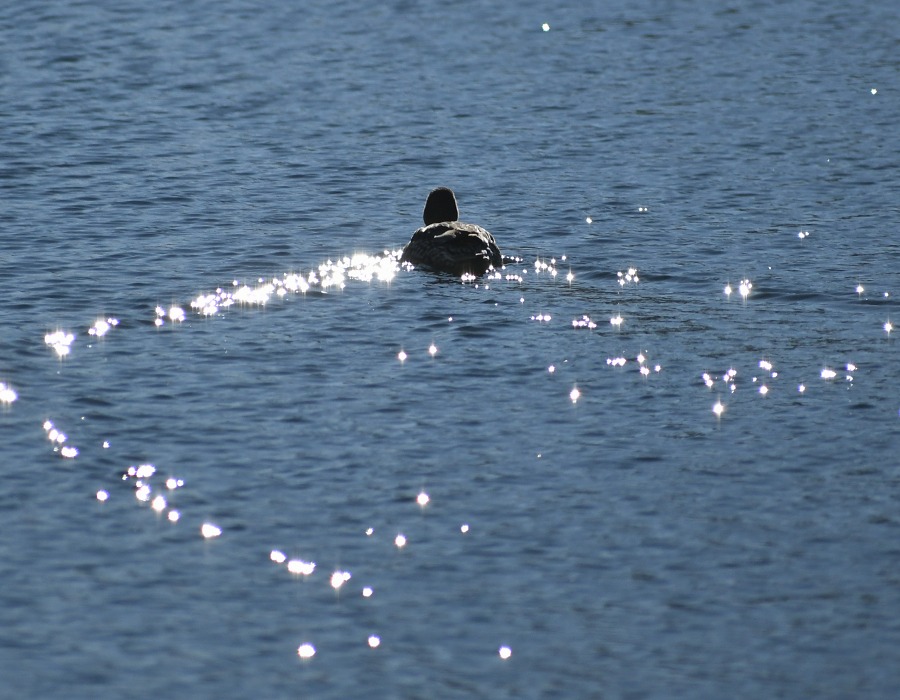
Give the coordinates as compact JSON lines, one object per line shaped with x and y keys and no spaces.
{"x":454,"y":247}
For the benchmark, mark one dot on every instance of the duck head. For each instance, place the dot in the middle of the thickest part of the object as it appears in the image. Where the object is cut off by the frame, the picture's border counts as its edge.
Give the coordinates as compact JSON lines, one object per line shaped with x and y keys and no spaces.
{"x":440,"y":206}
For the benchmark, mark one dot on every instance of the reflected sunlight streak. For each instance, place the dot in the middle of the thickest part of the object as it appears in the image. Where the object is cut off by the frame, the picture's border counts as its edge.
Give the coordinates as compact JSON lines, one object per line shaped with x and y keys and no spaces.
{"x":332,"y":274}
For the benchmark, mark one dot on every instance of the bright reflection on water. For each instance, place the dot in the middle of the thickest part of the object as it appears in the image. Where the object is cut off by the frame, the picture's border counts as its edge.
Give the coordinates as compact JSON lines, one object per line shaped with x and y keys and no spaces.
{"x":584,"y":322}
{"x":102,"y":326}
{"x":7,"y":394}
{"x":330,"y":275}
{"x":300,"y":567}
{"x":60,"y":341}
{"x":339,"y":578}
{"x":277,"y":556}
{"x":143,"y":471}
{"x":58,"y":439}
{"x":208,"y":530}
{"x":630,"y":276}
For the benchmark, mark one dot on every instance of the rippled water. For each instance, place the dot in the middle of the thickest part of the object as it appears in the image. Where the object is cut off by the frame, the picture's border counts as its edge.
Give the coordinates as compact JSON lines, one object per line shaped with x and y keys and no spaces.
{"x":595,"y":474}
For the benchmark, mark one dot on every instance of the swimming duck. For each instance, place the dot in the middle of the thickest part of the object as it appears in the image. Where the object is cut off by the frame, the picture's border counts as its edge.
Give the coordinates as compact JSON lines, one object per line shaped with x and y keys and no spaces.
{"x":448,"y":245}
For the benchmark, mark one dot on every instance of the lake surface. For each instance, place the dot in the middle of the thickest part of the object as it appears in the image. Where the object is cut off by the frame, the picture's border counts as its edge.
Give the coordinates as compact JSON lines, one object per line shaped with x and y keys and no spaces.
{"x":246,"y":454}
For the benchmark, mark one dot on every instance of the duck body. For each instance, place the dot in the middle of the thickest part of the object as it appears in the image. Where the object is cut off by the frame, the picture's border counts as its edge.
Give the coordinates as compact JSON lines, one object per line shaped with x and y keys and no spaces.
{"x":445,"y":244}
{"x":454,"y":247}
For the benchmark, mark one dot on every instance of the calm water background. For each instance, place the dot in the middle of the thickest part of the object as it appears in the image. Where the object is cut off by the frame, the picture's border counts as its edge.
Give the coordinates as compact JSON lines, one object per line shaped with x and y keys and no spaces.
{"x":628,"y":543}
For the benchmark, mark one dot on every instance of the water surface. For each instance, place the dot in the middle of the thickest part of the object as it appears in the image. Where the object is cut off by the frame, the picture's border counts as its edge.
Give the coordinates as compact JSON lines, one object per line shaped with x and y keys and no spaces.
{"x":589,"y":514}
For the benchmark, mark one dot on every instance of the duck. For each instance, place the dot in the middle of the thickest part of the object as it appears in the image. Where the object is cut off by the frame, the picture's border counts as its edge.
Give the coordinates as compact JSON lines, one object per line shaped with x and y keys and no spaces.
{"x":445,"y":244}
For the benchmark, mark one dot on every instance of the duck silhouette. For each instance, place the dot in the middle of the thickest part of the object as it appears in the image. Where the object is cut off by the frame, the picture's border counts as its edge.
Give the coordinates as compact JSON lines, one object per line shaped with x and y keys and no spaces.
{"x":446,"y":244}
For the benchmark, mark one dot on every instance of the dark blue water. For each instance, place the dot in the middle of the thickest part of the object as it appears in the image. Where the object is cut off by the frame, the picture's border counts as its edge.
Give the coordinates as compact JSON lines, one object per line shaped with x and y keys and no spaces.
{"x":601,"y":526}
